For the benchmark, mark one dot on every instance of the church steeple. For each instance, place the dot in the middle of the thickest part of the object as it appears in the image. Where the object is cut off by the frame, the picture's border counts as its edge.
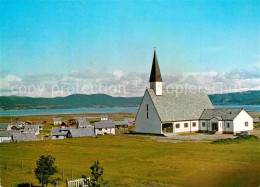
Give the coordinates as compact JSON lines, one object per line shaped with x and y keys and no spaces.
{"x":155,"y":76}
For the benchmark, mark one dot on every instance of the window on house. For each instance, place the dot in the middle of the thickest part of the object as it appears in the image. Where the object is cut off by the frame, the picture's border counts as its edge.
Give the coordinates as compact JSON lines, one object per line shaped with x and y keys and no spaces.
{"x":147,"y":111}
{"x":105,"y":128}
{"x":203,"y":124}
{"x":186,"y":125}
{"x":194,"y":124}
{"x":100,"y":129}
{"x":177,"y":125}
{"x":228,"y":125}
{"x":246,"y":124}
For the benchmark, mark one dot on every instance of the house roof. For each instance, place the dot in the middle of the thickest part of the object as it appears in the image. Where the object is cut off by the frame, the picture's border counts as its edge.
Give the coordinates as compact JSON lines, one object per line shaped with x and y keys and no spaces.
{"x":56,"y":119}
{"x":23,"y":137}
{"x":82,"y":122}
{"x":81,"y":132}
{"x":155,"y":75}
{"x":57,"y":131}
{"x":4,"y":126}
{"x":178,"y":105}
{"x":5,"y":134}
{"x":125,"y":122}
{"x":31,"y":128}
{"x":18,"y":123}
{"x":105,"y":124}
{"x":220,"y":114}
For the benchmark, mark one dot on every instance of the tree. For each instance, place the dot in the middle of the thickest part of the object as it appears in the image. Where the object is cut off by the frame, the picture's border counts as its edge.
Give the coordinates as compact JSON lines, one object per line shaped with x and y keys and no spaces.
{"x":45,"y":168}
{"x":97,"y":175}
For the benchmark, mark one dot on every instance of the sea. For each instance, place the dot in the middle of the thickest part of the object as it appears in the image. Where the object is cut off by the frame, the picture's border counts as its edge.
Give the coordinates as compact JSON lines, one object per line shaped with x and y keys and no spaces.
{"x":102,"y":110}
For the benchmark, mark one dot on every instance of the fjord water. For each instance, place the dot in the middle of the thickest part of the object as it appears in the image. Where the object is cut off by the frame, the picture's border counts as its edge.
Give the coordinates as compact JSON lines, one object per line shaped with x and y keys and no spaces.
{"x":102,"y":110}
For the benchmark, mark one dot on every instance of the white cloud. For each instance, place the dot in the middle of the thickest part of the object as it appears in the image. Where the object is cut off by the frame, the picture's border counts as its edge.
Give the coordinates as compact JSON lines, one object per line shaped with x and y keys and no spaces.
{"x":119,"y":83}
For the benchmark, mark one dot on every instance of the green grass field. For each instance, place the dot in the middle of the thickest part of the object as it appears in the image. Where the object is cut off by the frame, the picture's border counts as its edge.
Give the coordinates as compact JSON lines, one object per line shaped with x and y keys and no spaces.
{"x":137,"y":161}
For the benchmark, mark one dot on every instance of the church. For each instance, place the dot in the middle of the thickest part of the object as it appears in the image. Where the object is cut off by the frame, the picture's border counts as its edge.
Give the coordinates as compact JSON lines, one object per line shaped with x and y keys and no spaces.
{"x":183,"y":111}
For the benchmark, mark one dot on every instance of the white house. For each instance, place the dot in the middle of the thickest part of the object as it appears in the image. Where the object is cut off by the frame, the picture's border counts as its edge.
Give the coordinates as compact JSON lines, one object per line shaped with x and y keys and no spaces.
{"x":57,"y":121}
{"x":226,"y":121}
{"x":104,"y":127}
{"x":180,"y":111}
{"x":103,"y":118}
{"x":5,"y":136}
{"x":82,"y":122}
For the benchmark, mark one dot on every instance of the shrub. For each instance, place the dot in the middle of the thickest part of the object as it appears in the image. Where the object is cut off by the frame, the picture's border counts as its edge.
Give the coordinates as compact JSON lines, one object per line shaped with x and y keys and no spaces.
{"x":238,"y":139}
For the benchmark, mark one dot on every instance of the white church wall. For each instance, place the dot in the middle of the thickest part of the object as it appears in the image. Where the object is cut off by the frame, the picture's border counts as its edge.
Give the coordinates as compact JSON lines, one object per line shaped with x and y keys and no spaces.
{"x":181,"y":127}
{"x":152,"y":124}
{"x":240,"y":122}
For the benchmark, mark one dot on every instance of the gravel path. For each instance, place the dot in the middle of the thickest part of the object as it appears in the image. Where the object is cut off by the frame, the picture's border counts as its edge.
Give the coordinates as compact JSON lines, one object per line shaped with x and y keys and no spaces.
{"x":200,"y":137}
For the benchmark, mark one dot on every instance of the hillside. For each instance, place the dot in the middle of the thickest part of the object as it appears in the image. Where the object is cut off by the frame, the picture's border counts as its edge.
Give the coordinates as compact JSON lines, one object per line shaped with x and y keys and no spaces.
{"x":72,"y":101}
{"x":238,"y":98}
{"x":102,"y":100}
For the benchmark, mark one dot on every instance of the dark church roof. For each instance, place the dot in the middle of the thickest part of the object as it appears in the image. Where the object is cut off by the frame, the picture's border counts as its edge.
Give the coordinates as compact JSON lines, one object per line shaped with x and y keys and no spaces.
{"x":155,"y":75}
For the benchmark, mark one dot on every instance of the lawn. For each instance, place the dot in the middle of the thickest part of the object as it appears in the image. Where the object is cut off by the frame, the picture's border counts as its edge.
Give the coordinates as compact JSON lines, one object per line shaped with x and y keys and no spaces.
{"x":137,"y":161}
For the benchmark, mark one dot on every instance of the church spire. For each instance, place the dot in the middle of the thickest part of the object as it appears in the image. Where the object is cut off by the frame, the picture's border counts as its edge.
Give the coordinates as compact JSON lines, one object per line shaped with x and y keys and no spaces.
{"x":155,"y":75}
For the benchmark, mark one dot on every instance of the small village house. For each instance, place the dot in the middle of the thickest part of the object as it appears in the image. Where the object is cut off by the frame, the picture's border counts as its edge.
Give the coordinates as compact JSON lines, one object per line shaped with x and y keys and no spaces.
{"x":23,"y":137}
{"x":18,"y":124}
{"x":5,"y":137}
{"x":57,"y":121}
{"x":104,"y":127}
{"x":60,"y":133}
{"x":103,"y":118}
{"x":184,"y":111}
{"x":81,"y":132}
{"x":123,"y":124}
{"x":32,"y":129}
{"x":82,"y":122}
{"x":5,"y":127}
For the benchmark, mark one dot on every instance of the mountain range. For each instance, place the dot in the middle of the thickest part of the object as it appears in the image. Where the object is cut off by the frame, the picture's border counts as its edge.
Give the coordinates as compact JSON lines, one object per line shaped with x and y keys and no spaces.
{"x":103,"y":100}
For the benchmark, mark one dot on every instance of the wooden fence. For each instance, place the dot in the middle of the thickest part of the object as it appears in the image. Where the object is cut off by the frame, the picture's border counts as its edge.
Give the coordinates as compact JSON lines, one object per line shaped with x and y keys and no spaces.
{"x":78,"y":182}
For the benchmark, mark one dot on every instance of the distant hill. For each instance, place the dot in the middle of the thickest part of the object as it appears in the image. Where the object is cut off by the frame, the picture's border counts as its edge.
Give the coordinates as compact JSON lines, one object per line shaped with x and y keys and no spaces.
{"x":237,"y":98}
{"x":72,"y":101}
{"x":103,"y":100}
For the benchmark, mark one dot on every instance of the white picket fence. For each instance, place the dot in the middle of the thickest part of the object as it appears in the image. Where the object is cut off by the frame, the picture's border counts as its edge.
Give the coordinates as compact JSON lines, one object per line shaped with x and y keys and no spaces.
{"x":78,"y":182}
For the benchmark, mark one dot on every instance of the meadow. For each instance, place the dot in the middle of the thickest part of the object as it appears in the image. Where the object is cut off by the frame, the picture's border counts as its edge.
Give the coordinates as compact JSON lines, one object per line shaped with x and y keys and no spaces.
{"x":131,"y":160}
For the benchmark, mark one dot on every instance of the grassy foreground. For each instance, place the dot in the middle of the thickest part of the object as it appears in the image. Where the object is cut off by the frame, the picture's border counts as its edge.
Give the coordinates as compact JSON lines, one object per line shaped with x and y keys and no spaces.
{"x":137,"y":161}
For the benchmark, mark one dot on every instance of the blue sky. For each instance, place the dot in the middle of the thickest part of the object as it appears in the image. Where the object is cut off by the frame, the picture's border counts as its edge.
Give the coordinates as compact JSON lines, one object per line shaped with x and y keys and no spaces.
{"x":190,"y":36}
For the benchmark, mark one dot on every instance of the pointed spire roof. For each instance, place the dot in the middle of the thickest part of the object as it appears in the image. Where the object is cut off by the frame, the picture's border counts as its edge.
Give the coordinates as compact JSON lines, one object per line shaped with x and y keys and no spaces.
{"x":155,"y":75}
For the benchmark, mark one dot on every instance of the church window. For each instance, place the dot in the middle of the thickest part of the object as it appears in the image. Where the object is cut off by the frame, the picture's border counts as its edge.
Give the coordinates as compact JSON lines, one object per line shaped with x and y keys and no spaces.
{"x":147,"y":111}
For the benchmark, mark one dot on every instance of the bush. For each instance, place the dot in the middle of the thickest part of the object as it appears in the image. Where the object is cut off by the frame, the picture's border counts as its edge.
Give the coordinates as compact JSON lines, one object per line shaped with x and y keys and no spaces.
{"x":238,"y":139}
